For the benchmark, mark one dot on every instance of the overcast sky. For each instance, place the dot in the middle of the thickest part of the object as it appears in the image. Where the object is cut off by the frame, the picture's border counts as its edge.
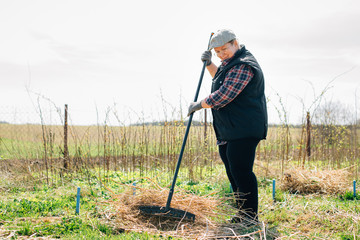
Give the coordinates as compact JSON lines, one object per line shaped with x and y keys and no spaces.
{"x":144,"y":56}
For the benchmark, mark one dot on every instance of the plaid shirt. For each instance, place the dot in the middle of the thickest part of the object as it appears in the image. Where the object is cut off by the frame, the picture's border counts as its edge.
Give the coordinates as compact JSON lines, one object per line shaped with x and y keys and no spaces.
{"x":235,"y":81}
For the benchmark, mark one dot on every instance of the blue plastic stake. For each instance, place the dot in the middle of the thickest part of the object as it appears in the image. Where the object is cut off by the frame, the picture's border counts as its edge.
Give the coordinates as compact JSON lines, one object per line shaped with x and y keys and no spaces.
{"x":354,"y":183}
{"x":273,"y":190}
{"x":134,"y":189}
{"x":78,"y":201}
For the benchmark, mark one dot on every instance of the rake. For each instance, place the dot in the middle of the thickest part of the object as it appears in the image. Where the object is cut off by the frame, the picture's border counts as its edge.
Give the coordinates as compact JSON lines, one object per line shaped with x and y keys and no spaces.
{"x":168,"y":211}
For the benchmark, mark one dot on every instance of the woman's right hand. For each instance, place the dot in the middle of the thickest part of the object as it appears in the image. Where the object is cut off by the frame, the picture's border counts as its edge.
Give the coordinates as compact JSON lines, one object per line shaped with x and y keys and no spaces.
{"x":206,"y":57}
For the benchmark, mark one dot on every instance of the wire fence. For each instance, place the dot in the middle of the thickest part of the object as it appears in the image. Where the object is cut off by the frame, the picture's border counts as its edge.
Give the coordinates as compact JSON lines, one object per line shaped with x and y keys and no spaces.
{"x":47,"y":136}
{"x":47,"y":139}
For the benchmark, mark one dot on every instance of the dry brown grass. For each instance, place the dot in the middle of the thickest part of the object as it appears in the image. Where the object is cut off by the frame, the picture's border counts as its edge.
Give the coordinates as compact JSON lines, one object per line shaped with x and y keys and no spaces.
{"x":211,"y":214}
{"x":303,"y":181}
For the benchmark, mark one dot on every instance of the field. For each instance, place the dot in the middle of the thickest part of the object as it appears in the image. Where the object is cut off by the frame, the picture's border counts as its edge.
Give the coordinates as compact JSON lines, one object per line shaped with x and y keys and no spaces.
{"x":120,"y":167}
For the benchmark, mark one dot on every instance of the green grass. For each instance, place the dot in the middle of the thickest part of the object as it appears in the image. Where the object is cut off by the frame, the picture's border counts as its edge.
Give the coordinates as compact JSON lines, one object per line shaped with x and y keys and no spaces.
{"x":26,"y":141}
{"x":328,"y":217}
{"x":40,"y":210}
{"x":19,"y":149}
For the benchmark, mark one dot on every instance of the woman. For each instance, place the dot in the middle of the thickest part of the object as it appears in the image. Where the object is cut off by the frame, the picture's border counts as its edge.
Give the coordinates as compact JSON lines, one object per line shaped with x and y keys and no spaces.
{"x":238,"y":105}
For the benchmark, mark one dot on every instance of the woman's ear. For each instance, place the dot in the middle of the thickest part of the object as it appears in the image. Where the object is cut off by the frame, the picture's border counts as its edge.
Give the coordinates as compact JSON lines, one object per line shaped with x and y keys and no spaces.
{"x":236,"y":42}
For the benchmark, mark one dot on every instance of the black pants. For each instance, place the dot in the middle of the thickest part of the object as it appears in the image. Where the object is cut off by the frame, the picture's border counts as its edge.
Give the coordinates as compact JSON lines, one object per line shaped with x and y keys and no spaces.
{"x":238,"y":157}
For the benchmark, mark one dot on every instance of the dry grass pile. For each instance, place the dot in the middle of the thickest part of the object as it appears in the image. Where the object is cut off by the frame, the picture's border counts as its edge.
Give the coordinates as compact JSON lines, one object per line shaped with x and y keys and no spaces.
{"x":211,"y":213}
{"x":302,"y":181}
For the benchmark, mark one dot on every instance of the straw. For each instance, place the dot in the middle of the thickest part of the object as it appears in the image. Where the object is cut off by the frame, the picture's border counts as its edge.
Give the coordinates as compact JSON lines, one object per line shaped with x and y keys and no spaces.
{"x":302,"y":181}
{"x":211,"y":214}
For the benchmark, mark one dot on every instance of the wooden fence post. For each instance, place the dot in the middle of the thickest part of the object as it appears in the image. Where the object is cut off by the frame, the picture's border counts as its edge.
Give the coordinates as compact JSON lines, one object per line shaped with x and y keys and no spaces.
{"x":308,"y":135}
{"x":66,"y":150}
{"x":205,"y":125}
{"x":205,"y":137}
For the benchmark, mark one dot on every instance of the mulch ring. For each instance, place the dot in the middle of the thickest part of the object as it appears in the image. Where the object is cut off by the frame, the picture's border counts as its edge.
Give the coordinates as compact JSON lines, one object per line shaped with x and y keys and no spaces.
{"x":329,"y":182}
{"x":210,"y":211}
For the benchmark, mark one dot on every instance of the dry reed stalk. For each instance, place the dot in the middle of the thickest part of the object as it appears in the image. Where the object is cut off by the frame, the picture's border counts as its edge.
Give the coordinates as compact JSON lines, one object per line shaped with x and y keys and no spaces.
{"x":304,"y":181}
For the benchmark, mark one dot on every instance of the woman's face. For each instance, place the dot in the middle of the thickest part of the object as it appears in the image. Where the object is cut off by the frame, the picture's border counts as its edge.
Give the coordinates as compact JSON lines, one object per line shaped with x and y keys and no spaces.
{"x":226,"y":51}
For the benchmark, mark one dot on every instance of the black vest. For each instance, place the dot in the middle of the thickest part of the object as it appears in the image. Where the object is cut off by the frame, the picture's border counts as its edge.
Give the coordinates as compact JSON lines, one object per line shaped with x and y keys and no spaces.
{"x":246,"y":115}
